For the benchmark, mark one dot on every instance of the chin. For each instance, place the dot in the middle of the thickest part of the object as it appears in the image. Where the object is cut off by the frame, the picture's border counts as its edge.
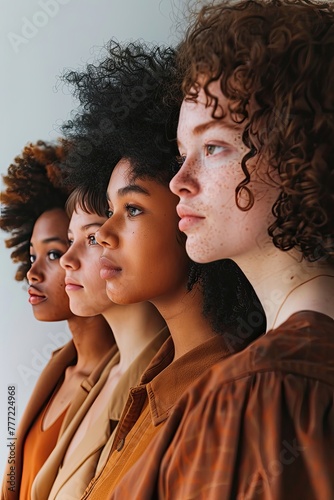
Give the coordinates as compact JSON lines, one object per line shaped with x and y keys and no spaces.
{"x":51,"y":319}
{"x":82,"y":312}
{"x":199,"y":253}
{"x":120,"y":299}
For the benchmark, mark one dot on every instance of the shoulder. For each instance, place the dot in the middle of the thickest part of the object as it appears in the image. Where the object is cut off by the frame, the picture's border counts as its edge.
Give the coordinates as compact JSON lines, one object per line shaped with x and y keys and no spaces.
{"x":289,"y":372}
{"x":259,"y":424}
{"x":258,"y":416}
{"x":302,"y":346}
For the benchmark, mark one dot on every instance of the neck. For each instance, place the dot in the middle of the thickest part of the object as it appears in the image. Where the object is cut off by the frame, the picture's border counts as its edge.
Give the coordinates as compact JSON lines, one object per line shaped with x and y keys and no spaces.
{"x":92,"y":338}
{"x":285,"y":284}
{"x":183,"y":313}
{"x":134,"y":326}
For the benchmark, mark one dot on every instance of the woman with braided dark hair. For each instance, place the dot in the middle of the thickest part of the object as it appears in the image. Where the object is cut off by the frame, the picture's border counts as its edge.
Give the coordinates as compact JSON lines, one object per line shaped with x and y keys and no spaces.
{"x":34,"y":213}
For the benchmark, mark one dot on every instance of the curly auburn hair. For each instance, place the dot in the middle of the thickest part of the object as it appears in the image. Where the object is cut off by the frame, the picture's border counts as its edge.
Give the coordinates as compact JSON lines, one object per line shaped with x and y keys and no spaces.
{"x":34,"y":184}
{"x":127,"y":111}
{"x":280,"y":54}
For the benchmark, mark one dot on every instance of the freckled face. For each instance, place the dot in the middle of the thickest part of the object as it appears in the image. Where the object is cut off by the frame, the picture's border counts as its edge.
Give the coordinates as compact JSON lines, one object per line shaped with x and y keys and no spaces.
{"x":84,"y":286}
{"x":46,"y":278}
{"x":143,"y":257}
{"x":213,"y":149}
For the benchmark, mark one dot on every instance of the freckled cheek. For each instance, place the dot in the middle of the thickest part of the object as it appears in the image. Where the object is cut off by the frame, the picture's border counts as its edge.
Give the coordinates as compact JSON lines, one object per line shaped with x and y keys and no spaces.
{"x":226,"y":172}
{"x":189,"y":175}
{"x":220,"y":198}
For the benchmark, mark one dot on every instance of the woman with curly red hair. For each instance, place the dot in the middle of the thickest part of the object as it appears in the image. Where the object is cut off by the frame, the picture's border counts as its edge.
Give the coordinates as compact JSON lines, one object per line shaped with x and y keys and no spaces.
{"x":256,"y":185}
{"x":33,"y":211}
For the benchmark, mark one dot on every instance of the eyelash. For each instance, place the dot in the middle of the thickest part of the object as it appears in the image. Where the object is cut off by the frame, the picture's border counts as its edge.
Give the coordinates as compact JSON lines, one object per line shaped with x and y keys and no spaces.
{"x":207,"y":146}
{"x":110,"y":213}
{"x":91,"y":240}
{"x":177,"y":163}
{"x":132,"y":207}
{"x":181,"y":159}
{"x":58,"y":254}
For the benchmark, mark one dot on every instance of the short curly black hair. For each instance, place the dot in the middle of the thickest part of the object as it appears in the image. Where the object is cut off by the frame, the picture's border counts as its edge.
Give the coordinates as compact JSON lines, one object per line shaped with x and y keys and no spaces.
{"x":34,"y":184}
{"x":280,"y":54}
{"x":123,"y":113}
{"x":127,"y":111}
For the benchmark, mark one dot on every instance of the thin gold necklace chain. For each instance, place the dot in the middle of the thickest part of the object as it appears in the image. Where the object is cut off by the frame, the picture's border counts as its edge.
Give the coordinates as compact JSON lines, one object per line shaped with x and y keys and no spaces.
{"x":295,"y":288}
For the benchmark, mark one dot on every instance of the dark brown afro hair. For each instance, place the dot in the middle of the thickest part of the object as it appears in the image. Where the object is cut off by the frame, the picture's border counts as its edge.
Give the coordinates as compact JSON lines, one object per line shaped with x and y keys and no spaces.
{"x":34,"y":184}
{"x":278,"y":55}
{"x":123,"y":113}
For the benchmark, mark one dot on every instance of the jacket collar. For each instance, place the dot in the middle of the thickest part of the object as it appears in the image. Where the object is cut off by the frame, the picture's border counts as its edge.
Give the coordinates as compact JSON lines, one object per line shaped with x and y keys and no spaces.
{"x":166,"y":380}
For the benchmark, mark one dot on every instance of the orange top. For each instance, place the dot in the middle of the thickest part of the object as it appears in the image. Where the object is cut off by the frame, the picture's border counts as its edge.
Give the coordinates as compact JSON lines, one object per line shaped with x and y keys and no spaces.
{"x":38,"y":445}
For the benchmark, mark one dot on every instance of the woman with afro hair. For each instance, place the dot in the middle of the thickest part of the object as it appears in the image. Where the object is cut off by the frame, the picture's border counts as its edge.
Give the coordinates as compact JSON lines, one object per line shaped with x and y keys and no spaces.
{"x":33,"y":211}
{"x":123,"y":140}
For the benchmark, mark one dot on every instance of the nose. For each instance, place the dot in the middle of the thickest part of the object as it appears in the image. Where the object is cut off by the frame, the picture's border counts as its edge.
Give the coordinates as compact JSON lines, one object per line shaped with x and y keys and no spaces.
{"x":69,"y":259}
{"x":35,"y":274}
{"x":106,"y":235}
{"x":185,"y":182}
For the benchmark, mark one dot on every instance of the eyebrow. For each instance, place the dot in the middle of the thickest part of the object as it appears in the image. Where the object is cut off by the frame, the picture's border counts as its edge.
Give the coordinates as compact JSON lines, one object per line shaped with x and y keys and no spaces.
{"x":52,"y":240}
{"x":87,"y":226}
{"x":131,"y":188}
{"x":202,"y":127}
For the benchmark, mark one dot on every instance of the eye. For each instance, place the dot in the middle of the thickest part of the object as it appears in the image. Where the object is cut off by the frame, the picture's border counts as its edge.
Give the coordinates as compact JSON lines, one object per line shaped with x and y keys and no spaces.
{"x":109,"y":213}
{"x":133,"y":211}
{"x":92,"y":240}
{"x":32,"y":258}
{"x":213,"y":149}
{"x":70,"y":241}
{"x":54,"y":255}
{"x":177,"y":163}
{"x":180,"y":159}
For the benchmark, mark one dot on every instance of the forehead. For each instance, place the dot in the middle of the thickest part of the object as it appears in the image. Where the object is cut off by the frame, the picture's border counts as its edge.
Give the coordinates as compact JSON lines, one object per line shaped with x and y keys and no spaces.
{"x":123,"y":181}
{"x":157,"y":195}
{"x":51,"y":224}
{"x":52,"y":219}
{"x":196,"y":116}
{"x":121,"y":175}
{"x":81,"y":218}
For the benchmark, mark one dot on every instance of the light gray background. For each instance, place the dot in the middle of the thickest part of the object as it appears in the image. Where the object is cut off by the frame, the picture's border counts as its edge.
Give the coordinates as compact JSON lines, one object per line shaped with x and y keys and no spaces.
{"x":37,"y":44}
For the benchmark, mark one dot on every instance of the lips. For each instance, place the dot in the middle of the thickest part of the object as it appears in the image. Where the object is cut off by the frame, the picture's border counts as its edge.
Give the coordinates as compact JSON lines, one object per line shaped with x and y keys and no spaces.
{"x":71,"y":285}
{"x":35,"y":296}
{"x":189,"y":217}
{"x":108,"y":269}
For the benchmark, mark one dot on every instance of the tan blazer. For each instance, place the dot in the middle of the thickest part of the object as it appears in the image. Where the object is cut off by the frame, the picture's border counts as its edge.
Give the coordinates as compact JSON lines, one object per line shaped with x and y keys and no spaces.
{"x":46,"y":383}
{"x":69,"y":482}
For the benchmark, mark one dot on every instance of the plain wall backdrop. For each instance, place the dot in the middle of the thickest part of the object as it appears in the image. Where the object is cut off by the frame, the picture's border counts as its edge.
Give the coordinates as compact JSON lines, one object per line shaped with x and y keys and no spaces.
{"x":39,"y":39}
